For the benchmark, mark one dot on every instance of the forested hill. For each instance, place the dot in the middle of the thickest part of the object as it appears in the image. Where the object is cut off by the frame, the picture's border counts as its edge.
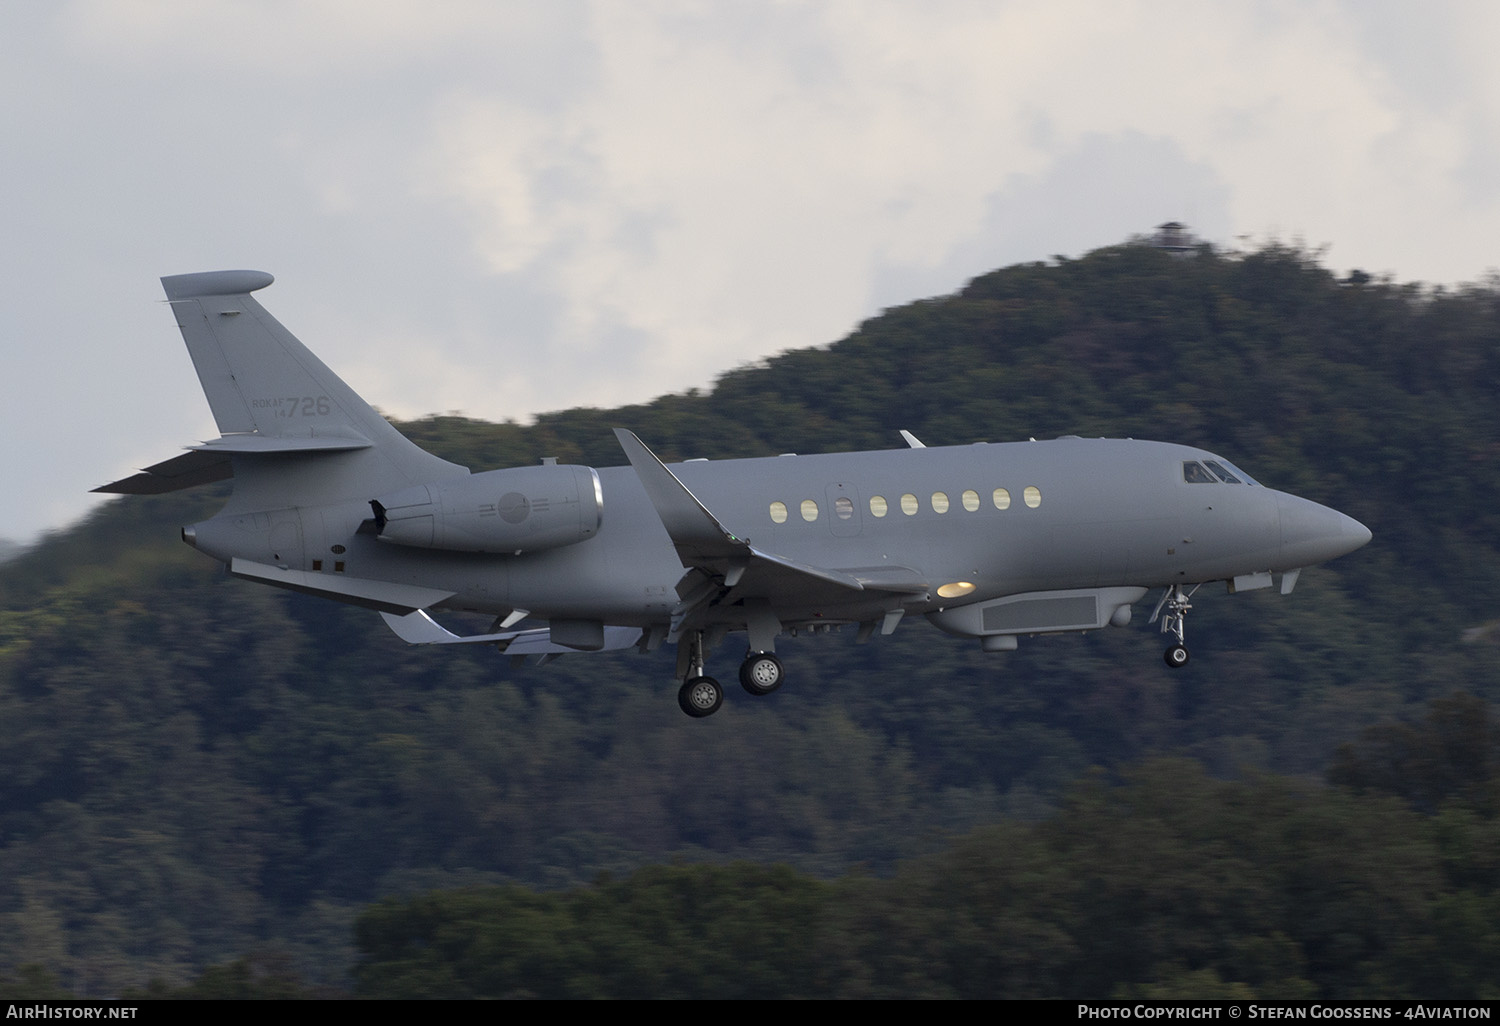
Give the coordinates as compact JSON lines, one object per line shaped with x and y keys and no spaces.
{"x":193,"y":768}
{"x":1374,"y":396}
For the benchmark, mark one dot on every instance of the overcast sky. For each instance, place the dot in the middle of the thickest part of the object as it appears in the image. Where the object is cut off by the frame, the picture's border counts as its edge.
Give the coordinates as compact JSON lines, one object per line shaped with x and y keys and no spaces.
{"x":506,"y":208}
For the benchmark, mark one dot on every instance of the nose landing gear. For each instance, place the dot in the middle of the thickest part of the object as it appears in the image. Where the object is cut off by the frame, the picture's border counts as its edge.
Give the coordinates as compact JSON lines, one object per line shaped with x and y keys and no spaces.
{"x":1172,"y":609}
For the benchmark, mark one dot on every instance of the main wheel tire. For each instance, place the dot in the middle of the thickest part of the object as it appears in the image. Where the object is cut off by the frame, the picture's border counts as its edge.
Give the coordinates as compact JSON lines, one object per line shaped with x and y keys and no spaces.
{"x":761,"y":673}
{"x":1176,"y":656}
{"x":700,"y":696}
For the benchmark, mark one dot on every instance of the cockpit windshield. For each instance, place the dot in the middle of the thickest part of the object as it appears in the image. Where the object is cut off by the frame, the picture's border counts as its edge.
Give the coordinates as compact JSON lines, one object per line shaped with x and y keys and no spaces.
{"x":1220,"y":472}
{"x":1237,"y":472}
{"x":1214,"y":471}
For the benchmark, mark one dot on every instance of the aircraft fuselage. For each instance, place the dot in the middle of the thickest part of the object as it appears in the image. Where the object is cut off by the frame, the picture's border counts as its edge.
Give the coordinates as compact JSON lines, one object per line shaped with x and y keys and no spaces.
{"x":1006,"y":518}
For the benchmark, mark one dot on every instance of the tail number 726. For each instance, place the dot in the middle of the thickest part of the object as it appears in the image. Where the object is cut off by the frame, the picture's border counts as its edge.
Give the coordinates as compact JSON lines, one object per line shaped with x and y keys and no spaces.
{"x":305,"y":406}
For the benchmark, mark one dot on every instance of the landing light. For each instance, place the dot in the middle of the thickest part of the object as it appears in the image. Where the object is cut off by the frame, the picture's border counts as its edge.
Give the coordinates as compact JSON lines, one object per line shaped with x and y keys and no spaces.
{"x":955,"y":589}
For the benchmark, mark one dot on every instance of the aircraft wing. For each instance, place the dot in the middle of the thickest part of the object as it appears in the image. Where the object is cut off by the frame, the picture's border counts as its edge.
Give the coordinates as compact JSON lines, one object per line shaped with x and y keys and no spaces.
{"x":420,"y":629}
{"x":703,"y":543}
{"x":386,"y":596}
{"x":723,"y":567}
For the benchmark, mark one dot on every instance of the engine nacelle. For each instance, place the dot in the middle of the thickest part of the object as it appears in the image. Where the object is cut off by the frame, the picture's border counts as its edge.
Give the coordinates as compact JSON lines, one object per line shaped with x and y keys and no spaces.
{"x":520,"y":509}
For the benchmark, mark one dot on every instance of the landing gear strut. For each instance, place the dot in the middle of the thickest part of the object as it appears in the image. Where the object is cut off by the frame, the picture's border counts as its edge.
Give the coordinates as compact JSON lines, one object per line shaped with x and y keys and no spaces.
{"x":699,"y":696}
{"x":1173,"y":609}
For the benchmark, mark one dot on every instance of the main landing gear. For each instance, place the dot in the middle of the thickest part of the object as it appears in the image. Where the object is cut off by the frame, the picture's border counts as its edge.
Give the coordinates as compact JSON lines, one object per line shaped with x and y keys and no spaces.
{"x":1173,"y":609}
{"x":760,"y":674}
{"x":700,"y":696}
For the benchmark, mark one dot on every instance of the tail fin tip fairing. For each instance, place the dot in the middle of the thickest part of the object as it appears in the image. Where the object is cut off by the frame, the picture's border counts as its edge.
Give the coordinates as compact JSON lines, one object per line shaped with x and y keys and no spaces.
{"x":214,"y":283}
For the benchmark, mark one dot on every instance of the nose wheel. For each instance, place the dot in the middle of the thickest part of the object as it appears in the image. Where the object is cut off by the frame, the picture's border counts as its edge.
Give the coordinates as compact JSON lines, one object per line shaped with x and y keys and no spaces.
{"x":1172,"y":609}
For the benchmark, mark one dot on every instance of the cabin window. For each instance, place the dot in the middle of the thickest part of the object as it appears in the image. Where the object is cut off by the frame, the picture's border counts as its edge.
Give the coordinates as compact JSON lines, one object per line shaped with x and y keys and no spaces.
{"x":971,"y":500}
{"x":1193,"y":473}
{"x":878,"y":507}
{"x":940,"y":502}
{"x":778,"y":512}
{"x":909,"y":504}
{"x":1033,"y":496}
{"x":1002,"y":499}
{"x":809,"y":510}
{"x":843,"y":508}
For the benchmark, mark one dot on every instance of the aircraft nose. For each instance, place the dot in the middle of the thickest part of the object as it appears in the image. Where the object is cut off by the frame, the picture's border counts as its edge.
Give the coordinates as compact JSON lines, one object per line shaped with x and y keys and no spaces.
{"x":1358,"y":534}
{"x":1312,"y":533}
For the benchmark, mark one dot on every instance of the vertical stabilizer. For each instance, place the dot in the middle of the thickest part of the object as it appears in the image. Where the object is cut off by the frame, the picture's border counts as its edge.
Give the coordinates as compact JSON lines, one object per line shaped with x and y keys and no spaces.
{"x":279,"y":407}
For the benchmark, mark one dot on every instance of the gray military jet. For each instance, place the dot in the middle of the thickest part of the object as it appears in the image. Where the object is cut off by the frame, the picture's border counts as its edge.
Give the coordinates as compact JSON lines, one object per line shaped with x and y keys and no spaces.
{"x":987,"y":541}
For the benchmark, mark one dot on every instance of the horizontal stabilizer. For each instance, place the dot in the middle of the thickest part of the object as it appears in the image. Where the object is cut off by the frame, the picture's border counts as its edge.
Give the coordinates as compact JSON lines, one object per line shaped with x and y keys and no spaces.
{"x":420,"y":629}
{"x":209,"y":461}
{"x":186,"y":471}
{"x":386,"y":596}
{"x":251,"y":444}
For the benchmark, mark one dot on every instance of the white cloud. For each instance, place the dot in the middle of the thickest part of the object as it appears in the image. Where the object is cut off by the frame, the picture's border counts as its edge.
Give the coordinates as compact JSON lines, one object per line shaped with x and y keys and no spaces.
{"x":506,"y":208}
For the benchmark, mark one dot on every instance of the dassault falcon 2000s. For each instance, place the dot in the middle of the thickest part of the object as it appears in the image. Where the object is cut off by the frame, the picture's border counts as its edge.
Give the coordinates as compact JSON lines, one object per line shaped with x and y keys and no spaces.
{"x":987,"y":541}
